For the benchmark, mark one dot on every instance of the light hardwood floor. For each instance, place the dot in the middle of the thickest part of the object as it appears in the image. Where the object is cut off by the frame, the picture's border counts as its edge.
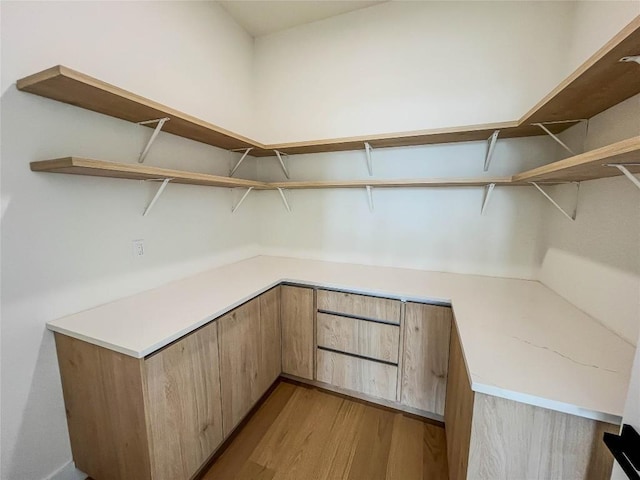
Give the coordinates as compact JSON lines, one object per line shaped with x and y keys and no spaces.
{"x":301,"y":432}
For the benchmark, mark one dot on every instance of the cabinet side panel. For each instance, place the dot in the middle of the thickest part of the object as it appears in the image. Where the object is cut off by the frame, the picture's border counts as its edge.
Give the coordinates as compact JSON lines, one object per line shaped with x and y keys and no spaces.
{"x":297,"y":331}
{"x":426,"y":356}
{"x":270,"y":334}
{"x":514,"y":440}
{"x":103,"y":396}
{"x":240,"y":358}
{"x":458,"y":411}
{"x":182,"y":393}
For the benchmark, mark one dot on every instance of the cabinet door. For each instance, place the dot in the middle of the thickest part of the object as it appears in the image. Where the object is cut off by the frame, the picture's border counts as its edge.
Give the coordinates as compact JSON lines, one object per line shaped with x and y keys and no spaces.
{"x":271,"y":351}
{"x":297,"y":331}
{"x":182,"y":400}
{"x":240,"y":359}
{"x":427,"y":330}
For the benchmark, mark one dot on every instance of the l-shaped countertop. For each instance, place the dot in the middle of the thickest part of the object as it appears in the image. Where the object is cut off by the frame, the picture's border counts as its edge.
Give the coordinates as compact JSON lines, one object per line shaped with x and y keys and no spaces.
{"x":521,"y":341}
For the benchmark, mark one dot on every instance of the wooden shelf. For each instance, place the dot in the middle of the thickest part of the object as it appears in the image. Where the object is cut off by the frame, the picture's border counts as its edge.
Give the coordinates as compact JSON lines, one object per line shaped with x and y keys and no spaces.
{"x":68,"y":86}
{"x":601,"y":82}
{"x":598,"y":84}
{"x":415,"y":183}
{"x":586,"y":166}
{"x":131,"y":171}
{"x":589,"y":165}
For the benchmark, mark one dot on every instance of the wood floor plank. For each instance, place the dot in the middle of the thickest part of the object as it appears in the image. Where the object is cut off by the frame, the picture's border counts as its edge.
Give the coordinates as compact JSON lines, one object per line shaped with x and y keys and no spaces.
{"x":373,"y":446}
{"x":406,"y":455}
{"x":253,"y":471}
{"x":435,"y":465}
{"x":307,"y":441}
{"x":232,"y":460}
{"x":305,"y":433}
{"x":337,"y":456}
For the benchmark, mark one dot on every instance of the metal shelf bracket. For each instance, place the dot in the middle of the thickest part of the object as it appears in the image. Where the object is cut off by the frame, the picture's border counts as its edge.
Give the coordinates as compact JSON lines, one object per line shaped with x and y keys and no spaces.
{"x":368,"y":148}
{"x":552,"y":135}
{"x":284,"y":199}
{"x":491,"y":144}
{"x":626,"y":172}
{"x":571,"y":216}
{"x":237,"y":205}
{"x":555,"y":137}
{"x":488,"y":190}
{"x":157,"y":195}
{"x":160,"y":122}
{"x":370,"y":197}
{"x":631,"y":58}
{"x":244,"y":155}
{"x":282,"y":163}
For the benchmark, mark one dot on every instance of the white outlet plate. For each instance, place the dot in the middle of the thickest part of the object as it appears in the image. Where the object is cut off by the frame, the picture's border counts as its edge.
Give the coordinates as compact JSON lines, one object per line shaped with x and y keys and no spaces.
{"x":138,"y":248}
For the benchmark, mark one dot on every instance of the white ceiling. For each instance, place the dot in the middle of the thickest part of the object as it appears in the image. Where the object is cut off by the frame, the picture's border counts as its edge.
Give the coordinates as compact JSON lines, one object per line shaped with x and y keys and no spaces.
{"x":262,"y":17}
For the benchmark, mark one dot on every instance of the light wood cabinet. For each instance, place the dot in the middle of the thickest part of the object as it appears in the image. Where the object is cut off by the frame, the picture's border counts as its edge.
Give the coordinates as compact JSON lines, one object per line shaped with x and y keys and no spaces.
{"x":297,"y":315}
{"x":365,"y":376}
{"x":270,"y":338}
{"x":361,"y":337}
{"x":240,"y":362}
{"x":249,"y":355}
{"x":182,"y":400}
{"x":492,"y":438}
{"x":158,"y":417}
{"x":427,"y":329}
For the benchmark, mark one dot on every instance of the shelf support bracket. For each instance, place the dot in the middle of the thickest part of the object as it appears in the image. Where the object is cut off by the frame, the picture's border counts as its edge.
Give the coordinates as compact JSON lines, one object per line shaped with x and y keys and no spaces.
{"x":370,"y":197}
{"x":280,"y":154}
{"x":237,"y":165}
{"x":488,"y":190}
{"x":626,"y":172}
{"x":491,"y":144}
{"x":368,"y":149}
{"x":631,"y":58}
{"x":555,"y":137}
{"x":156,"y":196}
{"x":160,"y":122}
{"x":237,"y":205}
{"x":284,"y":199}
{"x":571,"y":216}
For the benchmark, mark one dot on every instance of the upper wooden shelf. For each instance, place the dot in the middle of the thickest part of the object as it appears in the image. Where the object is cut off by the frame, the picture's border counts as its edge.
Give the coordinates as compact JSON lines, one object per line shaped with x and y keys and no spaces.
{"x":68,"y":86}
{"x":601,"y":82}
{"x":134,"y":171}
{"x":589,"y":165}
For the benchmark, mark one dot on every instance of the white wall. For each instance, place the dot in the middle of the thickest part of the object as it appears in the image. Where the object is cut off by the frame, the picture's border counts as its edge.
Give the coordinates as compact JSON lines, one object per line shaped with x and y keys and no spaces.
{"x":66,"y":241}
{"x":594,"y":262}
{"x":594,"y":24}
{"x":409,"y":65}
{"x":435,"y":229}
{"x":193,"y":58}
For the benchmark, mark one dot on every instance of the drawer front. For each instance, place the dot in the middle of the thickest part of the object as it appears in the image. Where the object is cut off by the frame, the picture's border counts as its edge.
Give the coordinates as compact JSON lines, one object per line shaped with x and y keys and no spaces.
{"x":363,"y":306}
{"x":365,"y":376}
{"x":361,"y":337}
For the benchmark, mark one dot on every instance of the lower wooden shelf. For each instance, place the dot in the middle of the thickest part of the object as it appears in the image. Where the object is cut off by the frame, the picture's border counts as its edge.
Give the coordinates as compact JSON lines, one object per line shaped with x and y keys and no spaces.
{"x":586,"y":166}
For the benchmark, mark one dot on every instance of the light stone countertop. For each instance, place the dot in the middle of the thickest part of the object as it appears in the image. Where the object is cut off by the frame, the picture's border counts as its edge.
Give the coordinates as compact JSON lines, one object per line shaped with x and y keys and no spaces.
{"x":521,"y":340}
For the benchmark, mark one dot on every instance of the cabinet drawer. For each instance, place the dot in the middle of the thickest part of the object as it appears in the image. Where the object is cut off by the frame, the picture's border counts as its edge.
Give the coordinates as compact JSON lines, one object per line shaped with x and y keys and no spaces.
{"x":375,"y":308}
{"x":361,"y":337}
{"x":365,"y":376}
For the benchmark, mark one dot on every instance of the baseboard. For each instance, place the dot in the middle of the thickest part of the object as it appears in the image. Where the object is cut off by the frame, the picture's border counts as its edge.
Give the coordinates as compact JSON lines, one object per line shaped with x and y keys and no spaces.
{"x":378,"y":402}
{"x":67,"y":472}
